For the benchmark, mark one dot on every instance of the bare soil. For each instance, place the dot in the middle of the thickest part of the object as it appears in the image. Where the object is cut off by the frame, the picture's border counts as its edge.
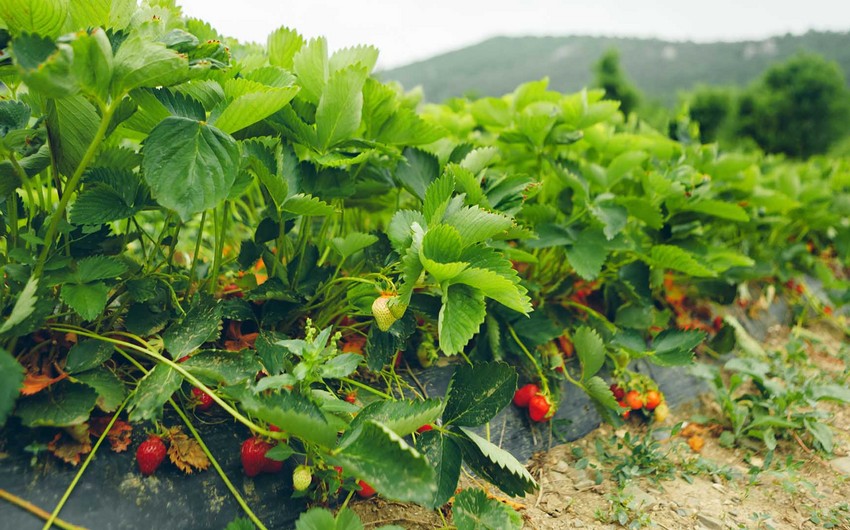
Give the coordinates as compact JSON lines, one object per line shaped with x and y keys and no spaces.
{"x":717,"y":488}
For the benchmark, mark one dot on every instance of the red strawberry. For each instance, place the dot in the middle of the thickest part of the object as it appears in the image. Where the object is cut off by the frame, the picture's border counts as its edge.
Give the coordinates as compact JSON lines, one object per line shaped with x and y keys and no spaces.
{"x":254,"y":459}
{"x":366,"y":490}
{"x":204,"y":401}
{"x":351,"y":397}
{"x":524,"y":395}
{"x":653,"y":398}
{"x":150,"y":454}
{"x":539,"y":407}
{"x":425,"y":428}
{"x":626,"y":413}
{"x":633,"y":400}
{"x":618,"y":392}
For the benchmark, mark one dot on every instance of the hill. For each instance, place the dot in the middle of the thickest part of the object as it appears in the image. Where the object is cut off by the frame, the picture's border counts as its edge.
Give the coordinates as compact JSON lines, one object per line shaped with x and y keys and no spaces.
{"x":660,"y":69}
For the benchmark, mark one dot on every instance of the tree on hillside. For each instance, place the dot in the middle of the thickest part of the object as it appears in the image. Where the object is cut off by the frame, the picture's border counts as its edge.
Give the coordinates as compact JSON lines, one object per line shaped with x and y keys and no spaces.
{"x":609,"y":75}
{"x":799,"y":107}
{"x":712,"y":108}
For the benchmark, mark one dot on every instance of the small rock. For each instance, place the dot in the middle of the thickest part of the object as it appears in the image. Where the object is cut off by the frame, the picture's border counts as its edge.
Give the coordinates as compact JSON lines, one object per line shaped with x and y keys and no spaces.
{"x":578,"y":524}
{"x":842,"y":465}
{"x":709,"y":522}
{"x":640,"y":498}
{"x":583,"y":484}
{"x":685,"y":512}
{"x":562,"y":467}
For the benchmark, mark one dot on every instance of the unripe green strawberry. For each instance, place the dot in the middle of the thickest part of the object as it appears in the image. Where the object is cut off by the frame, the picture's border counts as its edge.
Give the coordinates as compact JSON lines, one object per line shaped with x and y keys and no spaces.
{"x":302,"y":477}
{"x":396,"y":307}
{"x":381,"y":311}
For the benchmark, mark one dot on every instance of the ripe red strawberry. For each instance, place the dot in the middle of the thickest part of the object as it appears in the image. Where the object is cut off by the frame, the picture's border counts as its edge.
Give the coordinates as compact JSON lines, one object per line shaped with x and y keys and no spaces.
{"x":633,"y":400}
{"x":302,"y":477}
{"x":366,"y":490}
{"x":524,"y":395}
{"x":425,"y":428}
{"x":351,"y":397}
{"x":254,"y":459}
{"x":203,"y":400}
{"x":150,"y":454}
{"x":652,"y":399}
{"x":539,"y":407}
{"x":618,"y":392}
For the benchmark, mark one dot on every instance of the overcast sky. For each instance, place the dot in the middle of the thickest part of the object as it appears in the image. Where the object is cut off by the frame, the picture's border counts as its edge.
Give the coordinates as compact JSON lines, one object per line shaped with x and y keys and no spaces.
{"x":410,"y":30}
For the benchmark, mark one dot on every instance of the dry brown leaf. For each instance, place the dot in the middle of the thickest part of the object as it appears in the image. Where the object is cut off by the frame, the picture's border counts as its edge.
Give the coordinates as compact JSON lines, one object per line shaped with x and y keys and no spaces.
{"x":67,"y":448}
{"x":185,"y":452}
{"x":35,"y":383}
{"x":696,"y":442}
{"x":119,"y":434}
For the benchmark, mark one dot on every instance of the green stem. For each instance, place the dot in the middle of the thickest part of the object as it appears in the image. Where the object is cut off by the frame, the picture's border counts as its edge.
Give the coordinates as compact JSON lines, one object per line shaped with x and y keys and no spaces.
{"x":206,"y":451}
{"x":12,"y":207}
{"x":543,"y":379}
{"x":197,"y":251}
{"x":88,"y":460}
{"x":35,"y":510}
{"x":147,"y":351}
{"x":220,"y":231}
{"x":218,"y":468}
{"x":367,"y":388}
{"x":73,"y":184}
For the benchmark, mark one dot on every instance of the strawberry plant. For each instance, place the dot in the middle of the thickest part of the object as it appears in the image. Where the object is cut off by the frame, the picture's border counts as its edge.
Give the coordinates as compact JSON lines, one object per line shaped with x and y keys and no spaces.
{"x":270,"y":233}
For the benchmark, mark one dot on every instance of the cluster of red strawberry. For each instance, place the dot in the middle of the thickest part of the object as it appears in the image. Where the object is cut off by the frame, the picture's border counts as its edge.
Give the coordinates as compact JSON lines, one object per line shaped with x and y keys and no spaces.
{"x":538,"y":404}
{"x":633,"y":400}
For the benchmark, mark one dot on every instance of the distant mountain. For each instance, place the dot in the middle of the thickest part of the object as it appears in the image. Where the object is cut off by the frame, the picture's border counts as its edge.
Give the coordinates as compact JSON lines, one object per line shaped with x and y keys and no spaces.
{"x":660,"y":69}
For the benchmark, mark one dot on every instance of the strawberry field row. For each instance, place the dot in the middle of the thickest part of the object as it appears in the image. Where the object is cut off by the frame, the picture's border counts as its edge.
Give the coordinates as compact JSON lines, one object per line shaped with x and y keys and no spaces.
{"x":273,"y":234}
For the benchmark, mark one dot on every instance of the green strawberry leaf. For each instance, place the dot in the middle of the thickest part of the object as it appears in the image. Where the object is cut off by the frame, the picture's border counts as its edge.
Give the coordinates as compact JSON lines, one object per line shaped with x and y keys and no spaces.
{"x":196,"y":328}
{"x":88,"y":299}
{"x":11,"y":377}
{"x":340,"y":107}
{"x":152,"y":393}
{"x":87,"y":354}
{"x":61,"y":405}
{"x":677,"y":259}
{"x":417,"y":171}
{"x":477,"y":393}
{"x":24,"y":306}
{"x":110,"y":389}
{"x":291,"y":412}
{"x":590,"y":350}
{"x":283,"y":43}
{"x":223,"y":367}
{"x":375,"y":454}
{"x":401,"y":417}
{"x":445,"y":456}
{"x":588,"y":253}
{"x":461,"y":316}
{"x":473,"y":510}
{"x":189,"y":165}
{"x":494,"y":464}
